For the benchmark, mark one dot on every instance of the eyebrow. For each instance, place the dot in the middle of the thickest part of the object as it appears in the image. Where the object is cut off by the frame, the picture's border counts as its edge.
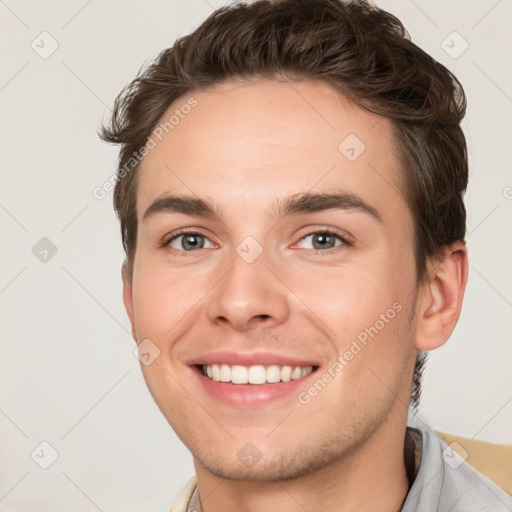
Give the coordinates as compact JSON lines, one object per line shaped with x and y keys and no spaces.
{"x":294,"y":205}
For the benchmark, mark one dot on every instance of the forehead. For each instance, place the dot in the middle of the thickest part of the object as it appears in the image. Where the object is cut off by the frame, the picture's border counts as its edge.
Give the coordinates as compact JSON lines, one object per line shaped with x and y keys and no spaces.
{"x":261,"y":138}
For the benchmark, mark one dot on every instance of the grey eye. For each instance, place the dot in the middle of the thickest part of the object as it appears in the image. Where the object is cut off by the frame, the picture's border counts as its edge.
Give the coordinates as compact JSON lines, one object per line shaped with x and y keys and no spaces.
{"x":188,"y":242}
{"x":323,"y":240}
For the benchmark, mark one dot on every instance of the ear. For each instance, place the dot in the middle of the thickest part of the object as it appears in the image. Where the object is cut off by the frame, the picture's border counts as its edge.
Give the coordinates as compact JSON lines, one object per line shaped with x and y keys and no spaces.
{"x":128,"y":298}
{"x":440,"y":298}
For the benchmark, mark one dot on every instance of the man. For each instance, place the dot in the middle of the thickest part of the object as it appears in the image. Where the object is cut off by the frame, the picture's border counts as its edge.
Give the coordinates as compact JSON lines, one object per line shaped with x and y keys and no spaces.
{"x":290,"y":190}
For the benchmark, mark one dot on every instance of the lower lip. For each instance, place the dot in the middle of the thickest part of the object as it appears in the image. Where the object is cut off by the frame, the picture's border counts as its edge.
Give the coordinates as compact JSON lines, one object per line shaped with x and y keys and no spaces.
{"x":250,"y":395}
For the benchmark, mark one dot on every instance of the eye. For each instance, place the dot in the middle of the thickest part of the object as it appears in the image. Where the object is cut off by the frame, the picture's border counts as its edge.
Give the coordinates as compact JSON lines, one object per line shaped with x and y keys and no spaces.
{"x":323,"y":240}
{"x":188,"y":241}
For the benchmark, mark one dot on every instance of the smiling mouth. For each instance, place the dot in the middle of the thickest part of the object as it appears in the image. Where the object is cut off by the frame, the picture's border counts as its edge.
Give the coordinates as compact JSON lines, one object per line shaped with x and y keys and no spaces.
{"x":257,"y":374}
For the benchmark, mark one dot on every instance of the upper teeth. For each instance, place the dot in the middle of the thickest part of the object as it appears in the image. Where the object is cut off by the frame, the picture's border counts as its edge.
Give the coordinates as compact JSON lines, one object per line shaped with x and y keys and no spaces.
{"x":254,"y":374}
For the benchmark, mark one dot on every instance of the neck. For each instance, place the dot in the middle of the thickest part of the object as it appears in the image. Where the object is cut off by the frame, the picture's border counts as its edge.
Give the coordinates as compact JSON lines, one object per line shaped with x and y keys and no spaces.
{"x":371,"y":478}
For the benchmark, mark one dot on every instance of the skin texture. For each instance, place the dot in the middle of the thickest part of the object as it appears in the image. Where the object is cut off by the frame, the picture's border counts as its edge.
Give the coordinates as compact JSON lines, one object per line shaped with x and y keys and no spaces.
{"x":245,"y":145}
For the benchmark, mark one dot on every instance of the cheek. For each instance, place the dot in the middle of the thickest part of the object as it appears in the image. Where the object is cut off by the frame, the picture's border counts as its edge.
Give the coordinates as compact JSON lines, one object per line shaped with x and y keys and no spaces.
{"x":363,"y":312}
{"x":162,"y":299}
{"x":348,"y":300}
{"x":374,"y":337}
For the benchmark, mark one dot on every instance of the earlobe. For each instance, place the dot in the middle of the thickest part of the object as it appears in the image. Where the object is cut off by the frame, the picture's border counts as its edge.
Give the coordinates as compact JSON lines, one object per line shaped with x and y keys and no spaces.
{"x":440,"y":299}
{"x":128,"y":301}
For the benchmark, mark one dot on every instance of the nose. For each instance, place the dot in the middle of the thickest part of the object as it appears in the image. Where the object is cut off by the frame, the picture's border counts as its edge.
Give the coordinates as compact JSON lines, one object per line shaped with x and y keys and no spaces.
{"x":250,"y":295}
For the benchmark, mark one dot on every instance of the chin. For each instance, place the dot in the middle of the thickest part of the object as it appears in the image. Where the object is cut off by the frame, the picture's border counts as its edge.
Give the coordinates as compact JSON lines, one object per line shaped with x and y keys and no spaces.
{"x":277,"y":468}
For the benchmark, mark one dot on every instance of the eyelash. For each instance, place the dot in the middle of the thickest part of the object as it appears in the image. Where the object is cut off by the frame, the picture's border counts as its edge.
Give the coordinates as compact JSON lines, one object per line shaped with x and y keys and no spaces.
{"x":165,"y":243}
{"x":344,"y":239}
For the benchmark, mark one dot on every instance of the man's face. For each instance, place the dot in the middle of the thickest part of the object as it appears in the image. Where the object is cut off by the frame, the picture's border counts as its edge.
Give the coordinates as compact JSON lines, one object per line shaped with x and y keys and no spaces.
{"x":259,"y":289}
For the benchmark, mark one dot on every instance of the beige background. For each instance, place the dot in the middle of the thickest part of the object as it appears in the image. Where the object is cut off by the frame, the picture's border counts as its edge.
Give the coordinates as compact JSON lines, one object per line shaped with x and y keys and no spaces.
{"x":68,"y":376}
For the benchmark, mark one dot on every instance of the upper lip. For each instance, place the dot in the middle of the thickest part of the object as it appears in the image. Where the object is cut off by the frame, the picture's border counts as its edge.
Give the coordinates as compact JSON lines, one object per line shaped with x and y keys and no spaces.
{"x":249,"y":359}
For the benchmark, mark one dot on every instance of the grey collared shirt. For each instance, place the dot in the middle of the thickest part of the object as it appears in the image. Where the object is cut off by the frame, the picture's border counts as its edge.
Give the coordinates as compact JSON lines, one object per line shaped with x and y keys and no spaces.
{"x":443,"y":481}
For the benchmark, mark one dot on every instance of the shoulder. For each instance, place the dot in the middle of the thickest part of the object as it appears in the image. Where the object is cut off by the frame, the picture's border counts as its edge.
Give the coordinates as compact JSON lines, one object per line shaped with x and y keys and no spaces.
{"x":185,"y":499}
{"x":445,"y":482}
{"x":465,"y":489}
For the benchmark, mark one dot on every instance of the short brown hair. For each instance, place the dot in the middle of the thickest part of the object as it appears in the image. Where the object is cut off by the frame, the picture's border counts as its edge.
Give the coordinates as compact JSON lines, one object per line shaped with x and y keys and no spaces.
{"x":363,"y":52}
